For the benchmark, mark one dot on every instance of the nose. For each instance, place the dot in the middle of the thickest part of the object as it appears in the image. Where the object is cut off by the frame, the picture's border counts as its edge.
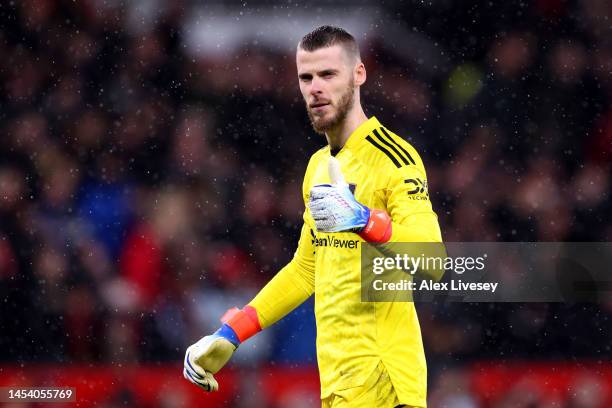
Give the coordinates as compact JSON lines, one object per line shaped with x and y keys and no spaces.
{"x":316,"y":87}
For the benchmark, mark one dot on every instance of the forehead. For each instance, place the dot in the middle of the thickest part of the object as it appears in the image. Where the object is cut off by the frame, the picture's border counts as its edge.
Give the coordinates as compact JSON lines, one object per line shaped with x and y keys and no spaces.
{"x":324,"y":58}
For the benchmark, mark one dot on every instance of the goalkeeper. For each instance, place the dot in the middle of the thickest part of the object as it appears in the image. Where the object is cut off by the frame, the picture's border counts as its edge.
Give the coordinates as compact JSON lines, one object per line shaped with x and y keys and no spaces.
{"x":369,"y":185}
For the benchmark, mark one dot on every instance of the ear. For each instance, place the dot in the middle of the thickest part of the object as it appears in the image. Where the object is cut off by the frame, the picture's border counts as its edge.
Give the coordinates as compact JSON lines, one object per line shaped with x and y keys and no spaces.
{"x":359,"y":73}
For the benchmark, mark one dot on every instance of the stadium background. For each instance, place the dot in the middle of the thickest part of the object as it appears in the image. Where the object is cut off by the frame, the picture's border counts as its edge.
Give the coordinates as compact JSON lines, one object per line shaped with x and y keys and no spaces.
{"x":151,"y":159}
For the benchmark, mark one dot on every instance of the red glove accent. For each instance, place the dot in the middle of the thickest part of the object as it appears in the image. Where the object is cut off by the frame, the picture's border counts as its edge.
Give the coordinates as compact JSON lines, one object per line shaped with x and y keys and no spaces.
{"x":245,"y":322}
{"x":378,"y":228}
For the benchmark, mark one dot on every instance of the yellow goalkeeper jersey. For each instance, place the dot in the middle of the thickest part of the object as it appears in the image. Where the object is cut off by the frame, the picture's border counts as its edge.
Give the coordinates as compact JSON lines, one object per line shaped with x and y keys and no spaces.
{"x":353,"y":337}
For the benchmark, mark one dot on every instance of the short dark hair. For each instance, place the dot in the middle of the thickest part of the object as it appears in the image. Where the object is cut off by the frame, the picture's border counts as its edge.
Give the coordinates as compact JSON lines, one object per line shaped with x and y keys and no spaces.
{"x":327,"y":36}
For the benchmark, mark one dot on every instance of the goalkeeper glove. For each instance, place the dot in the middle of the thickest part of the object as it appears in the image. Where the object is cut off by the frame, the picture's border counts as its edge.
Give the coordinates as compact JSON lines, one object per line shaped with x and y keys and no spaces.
{"x":334,"y":209}
{"x":209,"y":354}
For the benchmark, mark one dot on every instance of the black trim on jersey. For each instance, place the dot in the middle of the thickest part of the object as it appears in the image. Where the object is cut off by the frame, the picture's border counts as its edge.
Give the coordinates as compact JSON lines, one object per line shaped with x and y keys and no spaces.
{"x":398,"y":145}
{"x":384,"y":141}
{"x":385,"y":151}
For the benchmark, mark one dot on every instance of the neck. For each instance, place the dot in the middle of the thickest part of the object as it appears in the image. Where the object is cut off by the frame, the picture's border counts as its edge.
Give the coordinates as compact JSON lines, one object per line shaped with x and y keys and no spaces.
{"x":338,"y":136}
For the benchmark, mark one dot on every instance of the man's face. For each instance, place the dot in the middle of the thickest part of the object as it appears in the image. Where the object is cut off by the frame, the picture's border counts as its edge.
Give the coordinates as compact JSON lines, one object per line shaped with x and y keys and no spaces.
{"x":327,"y":85}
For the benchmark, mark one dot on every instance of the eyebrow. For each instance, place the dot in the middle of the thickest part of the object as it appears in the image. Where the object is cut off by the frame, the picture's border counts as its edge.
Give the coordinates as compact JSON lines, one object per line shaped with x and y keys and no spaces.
{"x":327,"y":72}
{"x":319,"y":73}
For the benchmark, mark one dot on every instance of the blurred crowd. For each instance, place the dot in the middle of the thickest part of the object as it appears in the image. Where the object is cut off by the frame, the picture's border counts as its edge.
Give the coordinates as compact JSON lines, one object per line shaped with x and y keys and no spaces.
{"x":143,"y":190}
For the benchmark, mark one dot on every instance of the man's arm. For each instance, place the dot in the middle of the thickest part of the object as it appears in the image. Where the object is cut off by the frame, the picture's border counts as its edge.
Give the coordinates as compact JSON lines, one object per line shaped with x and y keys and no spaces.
{"x":408,"y":204}
{"x":413,"y":220}
{"x":291,"y":286}
{"x":408,"y":218}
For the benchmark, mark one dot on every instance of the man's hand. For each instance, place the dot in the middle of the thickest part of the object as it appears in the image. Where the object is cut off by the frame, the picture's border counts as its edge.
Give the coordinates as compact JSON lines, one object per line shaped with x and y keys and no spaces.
{"x":207,"y":356}
{"x":334,"y":209}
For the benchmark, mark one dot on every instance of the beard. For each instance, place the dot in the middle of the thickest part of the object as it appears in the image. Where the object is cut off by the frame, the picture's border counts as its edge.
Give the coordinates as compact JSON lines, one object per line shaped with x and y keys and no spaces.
{"x":322,"y":124}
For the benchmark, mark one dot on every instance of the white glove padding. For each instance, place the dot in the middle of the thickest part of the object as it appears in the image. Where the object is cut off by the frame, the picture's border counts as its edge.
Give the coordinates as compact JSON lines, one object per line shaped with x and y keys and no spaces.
{"x":333,"y":206}
{"x":205,"y":358}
